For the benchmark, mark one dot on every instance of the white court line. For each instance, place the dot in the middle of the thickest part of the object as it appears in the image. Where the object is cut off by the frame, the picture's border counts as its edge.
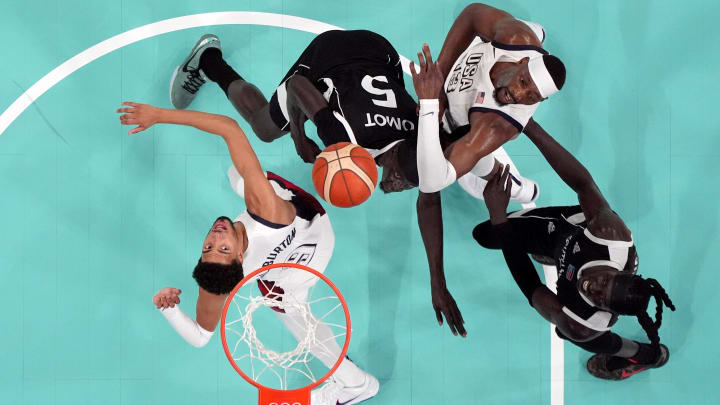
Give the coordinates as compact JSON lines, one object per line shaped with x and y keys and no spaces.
{"x":249,"y":18}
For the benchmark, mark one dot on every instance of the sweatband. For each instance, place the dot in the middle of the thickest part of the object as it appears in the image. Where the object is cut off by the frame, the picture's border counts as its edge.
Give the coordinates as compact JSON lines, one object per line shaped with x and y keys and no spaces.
{"x":434,"y":171}
{"x":540,"y":75}
{"x":186,"y":327}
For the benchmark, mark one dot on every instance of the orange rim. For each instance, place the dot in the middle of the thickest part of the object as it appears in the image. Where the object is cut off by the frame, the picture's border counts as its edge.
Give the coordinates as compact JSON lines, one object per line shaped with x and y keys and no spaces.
{"x":228,"y":354}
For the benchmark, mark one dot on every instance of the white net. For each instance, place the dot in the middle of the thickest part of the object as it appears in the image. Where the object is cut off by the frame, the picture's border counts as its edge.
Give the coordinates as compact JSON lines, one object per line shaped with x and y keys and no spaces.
{"x":302,"y":347}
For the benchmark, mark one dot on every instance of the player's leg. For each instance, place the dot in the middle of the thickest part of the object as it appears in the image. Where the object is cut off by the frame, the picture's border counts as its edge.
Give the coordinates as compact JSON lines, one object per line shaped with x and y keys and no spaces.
{"x":247,"y":99}
{"x":618,"y":358}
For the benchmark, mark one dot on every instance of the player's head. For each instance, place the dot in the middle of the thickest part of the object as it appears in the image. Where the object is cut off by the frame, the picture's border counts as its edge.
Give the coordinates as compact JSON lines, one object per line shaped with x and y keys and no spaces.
{"x":530,"y":81}
{"x":399,"y":167}
{"x":220,"y":266}
{"x":625,"y":293}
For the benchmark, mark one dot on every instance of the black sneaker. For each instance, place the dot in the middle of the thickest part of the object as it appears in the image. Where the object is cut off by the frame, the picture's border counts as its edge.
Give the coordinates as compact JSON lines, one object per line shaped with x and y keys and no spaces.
{"x":597,"y":366}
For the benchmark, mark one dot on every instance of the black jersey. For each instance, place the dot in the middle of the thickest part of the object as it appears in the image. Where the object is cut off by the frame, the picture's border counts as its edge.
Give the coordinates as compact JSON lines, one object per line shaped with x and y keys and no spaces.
{"x":580,"y":250}
{"x":360,"y":75}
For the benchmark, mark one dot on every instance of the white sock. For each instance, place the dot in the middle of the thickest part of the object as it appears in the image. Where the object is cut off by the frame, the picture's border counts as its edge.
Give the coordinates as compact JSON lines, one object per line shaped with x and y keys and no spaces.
{"x":484,"y":166}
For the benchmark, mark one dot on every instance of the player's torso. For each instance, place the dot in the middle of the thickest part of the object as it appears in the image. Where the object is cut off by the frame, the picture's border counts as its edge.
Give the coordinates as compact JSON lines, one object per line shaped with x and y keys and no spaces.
{"x":469,"y":88}
{"x":270,"y":243}
{"x":374,"y":102}
{"x":582,"y":250}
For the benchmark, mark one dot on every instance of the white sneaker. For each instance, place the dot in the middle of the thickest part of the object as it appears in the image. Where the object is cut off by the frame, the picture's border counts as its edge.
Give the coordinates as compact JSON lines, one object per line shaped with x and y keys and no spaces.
{"x":333,"y":392}
{"x":524,"y":190}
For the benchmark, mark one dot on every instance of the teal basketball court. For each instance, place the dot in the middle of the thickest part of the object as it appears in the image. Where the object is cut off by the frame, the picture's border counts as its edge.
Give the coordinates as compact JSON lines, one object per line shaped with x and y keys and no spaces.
{"x":94,"y":221}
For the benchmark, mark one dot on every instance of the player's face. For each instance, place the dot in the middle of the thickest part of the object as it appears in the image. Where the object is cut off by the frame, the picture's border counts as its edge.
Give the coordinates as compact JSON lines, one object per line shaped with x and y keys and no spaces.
{"x":222,"y":244}
{"x":596,"y":283}
{"x":520,"y":88}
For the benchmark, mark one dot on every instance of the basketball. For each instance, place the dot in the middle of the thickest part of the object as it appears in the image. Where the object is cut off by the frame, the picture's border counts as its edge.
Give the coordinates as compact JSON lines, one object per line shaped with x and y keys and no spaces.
{"x":344,"y":174}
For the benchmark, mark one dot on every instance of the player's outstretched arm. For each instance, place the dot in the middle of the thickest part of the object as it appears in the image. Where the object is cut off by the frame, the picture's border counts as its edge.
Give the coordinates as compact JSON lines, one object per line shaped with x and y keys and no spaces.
{"x":487,"y":22}
{"x":570,"y":170}
{"x":438,"y":169}
{"x":260,"y":197}
{"x":196,"y":333}
{"x":429,"y":212}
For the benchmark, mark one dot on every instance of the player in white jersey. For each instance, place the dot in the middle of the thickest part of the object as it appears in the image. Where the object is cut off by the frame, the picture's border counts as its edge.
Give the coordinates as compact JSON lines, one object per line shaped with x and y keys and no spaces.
{"x":282,"y":223}
{"x":489,"y":78}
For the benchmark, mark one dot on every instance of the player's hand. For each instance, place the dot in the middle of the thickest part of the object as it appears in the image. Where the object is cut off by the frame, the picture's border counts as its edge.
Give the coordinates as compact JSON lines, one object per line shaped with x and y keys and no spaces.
{"x":167,"y":297}
{"x":307,"y":149}
{"x":444,"y":305}
{"x":429,"y":82}
{"x":142,"y":115}
{"x":497,"y":194}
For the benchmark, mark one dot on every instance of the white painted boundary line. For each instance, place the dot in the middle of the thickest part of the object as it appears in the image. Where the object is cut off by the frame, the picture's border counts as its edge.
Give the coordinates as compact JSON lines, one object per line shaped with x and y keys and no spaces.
{"x":248,"y":18}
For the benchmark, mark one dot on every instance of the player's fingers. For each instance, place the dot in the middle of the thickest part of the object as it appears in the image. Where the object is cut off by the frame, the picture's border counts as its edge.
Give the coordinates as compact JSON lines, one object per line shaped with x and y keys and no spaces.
{"x":508,"y":186}
{"x":130,"y":103}
{"x":125,"y":110}
{"x":413,"y":72}
{"x":505,"y":174}
{"x":438,"y":315}
{"x":140,"y":128}
{"x":426,"y":52}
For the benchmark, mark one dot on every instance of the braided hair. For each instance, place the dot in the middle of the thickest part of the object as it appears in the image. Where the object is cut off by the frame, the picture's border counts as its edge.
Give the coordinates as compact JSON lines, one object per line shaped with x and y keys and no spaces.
{"x":631,"y":295}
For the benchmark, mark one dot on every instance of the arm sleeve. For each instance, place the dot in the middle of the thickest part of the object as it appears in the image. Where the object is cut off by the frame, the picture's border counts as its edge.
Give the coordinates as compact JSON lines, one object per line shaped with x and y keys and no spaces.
{"x":434,"y":171}
{"x":518,"y":261}
{"x":187,"y":327}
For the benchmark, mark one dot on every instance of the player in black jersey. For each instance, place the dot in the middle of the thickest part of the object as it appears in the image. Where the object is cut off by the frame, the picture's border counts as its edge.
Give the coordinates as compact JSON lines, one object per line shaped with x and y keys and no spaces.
{"x":596,"y":263}
{"x":348,"y":83}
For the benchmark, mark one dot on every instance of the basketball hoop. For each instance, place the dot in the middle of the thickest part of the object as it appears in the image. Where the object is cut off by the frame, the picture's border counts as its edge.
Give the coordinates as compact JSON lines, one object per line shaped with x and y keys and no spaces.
{"x":266,"y":364}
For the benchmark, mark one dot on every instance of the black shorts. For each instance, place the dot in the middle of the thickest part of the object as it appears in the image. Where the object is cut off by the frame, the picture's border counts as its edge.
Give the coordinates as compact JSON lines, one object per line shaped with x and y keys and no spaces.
{"x":331,"y":53}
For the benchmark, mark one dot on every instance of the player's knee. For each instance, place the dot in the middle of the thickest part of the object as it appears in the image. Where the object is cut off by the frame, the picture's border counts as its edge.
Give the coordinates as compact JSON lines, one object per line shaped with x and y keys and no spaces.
{"x":484,"y":235}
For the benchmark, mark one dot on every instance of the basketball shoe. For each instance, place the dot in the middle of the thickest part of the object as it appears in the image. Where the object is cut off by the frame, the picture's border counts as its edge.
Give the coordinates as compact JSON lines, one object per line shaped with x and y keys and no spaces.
{"x":597,"y":366}
{"x":334,"y":392}
{"x":188,"y":78}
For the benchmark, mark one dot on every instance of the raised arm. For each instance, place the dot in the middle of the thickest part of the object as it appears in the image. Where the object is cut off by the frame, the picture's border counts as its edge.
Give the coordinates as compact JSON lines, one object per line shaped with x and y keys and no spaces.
{"x":570,"y":170}
{"x":429,"y":212}
{"x":260,"y":198}
{"x":487,"y":22}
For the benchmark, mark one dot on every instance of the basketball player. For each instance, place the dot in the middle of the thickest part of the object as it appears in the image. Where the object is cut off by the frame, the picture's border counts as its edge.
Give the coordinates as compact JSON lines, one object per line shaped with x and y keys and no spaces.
{"x":282,"y":223}
{"x":348,"y":83}
{"x":489,"y":79}
{"x":596,"y":263}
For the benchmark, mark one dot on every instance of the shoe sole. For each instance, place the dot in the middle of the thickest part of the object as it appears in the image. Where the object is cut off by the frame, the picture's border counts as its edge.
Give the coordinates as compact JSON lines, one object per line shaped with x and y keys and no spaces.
{"x":204,"y":40}
{"x":373,"y":389}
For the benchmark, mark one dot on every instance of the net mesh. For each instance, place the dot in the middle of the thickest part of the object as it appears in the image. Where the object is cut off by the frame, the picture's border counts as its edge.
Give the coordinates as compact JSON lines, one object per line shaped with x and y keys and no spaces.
{"x":297,"y":308}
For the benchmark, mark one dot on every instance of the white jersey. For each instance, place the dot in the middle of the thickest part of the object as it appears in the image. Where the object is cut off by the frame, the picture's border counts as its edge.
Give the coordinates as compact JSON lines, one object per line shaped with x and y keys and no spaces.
{"x":469,"y":88}
{"x":309,"y":240}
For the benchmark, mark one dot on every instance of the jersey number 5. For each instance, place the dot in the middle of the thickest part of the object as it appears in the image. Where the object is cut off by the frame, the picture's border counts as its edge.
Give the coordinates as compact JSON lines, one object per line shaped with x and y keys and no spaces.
{"x":389,"y":96}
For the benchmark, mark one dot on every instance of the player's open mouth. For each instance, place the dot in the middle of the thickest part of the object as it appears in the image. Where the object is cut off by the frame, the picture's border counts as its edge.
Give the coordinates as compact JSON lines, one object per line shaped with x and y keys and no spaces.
{"x":219,"y":226}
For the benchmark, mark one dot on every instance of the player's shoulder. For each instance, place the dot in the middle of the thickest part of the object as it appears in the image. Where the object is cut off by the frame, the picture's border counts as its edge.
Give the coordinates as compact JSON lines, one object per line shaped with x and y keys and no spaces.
{"x":512,"y":31}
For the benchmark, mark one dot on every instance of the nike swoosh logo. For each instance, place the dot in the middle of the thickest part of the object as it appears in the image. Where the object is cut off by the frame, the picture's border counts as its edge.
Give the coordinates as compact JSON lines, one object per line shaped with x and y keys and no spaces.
{"x":350,"y":400}
{"x":430,"y":113}
{"x":625,"y":374}
{"x":184,"y":68}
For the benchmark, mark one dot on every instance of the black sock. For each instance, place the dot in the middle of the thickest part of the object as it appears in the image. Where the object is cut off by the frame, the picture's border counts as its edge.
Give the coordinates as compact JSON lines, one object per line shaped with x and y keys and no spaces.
{"x":646,"y":354}
{"x":216,"y":69}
